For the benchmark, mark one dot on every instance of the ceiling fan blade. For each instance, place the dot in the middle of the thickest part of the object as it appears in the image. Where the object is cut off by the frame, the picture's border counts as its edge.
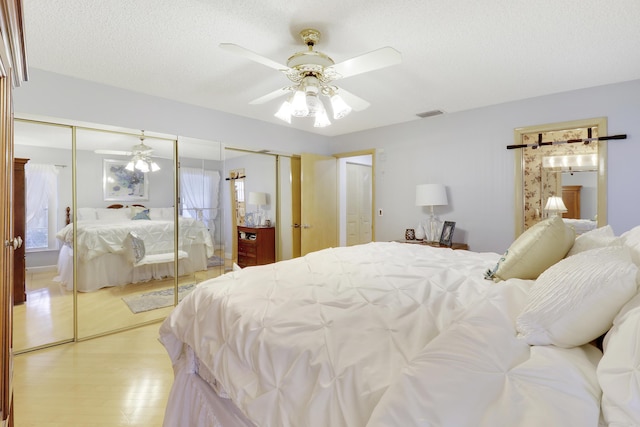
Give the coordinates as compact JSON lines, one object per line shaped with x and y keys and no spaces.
{"x":239,"y":50}
{"x":270,"y":96}
{"x":114,"y":152}
{"x":374,"y":60}
{"x":354,"y":101}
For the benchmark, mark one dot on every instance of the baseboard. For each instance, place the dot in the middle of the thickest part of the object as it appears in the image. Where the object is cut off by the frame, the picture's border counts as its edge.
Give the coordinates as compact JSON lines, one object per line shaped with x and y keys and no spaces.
{"x":42,"y":269}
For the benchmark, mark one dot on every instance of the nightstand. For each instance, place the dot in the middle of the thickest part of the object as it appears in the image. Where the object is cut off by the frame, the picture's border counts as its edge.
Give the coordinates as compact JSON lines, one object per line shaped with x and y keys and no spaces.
{"x":454,"y":246}
{"x":256,"y":246}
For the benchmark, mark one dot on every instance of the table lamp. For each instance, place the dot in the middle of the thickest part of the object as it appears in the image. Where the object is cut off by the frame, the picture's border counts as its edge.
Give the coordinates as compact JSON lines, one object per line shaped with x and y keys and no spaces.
{"x":431,"y":195}
{"x":555,"y":206}
{"x":258,"y":199}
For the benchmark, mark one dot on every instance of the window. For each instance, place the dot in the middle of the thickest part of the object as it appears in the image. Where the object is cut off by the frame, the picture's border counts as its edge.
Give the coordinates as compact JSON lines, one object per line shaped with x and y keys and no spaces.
{"x":199,"y":194}
{"x":42,"y":196}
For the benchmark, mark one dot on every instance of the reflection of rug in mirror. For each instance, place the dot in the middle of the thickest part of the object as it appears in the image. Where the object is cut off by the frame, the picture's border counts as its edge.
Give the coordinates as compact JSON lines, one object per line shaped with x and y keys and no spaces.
{"x":215,"y":261}
{"x":156,"y":299}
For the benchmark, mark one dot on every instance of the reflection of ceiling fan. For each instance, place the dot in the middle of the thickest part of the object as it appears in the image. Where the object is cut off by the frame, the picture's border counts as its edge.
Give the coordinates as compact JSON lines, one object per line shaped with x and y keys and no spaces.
{"x":141,"y":157}
{"x":312,"y":73}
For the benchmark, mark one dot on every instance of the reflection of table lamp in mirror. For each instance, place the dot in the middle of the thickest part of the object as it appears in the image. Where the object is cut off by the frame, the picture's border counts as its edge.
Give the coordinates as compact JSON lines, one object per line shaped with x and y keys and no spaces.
{"x":258,"y":199}
{"x":431,"y":195}
{"x":555,"y":206}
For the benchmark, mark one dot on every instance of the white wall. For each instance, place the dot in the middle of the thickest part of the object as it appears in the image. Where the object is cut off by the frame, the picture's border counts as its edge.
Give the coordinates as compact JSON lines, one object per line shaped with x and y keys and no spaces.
{"x":467,"y":152}
{"x":54,"y":95}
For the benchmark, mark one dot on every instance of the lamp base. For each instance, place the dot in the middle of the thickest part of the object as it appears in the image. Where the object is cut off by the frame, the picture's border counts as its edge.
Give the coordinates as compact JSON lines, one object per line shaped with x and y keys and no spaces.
{"x":433,"y":229}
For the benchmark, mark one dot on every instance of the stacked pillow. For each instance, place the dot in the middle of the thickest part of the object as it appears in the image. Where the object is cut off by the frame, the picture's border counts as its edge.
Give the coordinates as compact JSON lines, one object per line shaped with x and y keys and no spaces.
{"x":537,"y":249}
{"x":592,"y":290}
{"x":575,"y":301}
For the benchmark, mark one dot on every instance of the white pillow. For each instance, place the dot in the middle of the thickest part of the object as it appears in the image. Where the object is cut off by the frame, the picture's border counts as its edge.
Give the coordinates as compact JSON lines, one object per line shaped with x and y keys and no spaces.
{"x":576,"y":300}
{"x":87,"y":214}
{"x":538,"y":248}
{"x":631,"y":239}
{"x":113,"y":214}
{"x":618,"y":372}
{"x":596,"y":238}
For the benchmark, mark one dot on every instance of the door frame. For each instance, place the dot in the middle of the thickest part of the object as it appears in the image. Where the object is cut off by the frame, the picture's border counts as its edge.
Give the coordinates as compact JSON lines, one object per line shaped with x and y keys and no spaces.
{"x":372,"y":152}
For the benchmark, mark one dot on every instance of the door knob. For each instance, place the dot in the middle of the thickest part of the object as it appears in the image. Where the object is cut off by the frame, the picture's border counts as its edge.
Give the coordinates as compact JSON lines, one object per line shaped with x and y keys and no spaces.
{"x":296,"y":226}
{"x":16,"y":242}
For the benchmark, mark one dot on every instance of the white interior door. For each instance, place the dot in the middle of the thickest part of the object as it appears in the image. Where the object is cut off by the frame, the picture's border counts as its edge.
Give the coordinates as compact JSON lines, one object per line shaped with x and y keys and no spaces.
{"x":358,"y":204}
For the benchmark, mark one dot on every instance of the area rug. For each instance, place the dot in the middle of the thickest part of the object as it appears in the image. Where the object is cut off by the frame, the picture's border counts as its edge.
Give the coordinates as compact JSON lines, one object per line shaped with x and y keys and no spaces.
{"x":156,"y":299}
{"x":215,"y":261}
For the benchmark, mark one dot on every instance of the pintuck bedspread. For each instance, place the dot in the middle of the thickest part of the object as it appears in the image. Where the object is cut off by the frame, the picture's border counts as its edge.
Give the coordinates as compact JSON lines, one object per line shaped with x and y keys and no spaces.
{"x":383,"y":334}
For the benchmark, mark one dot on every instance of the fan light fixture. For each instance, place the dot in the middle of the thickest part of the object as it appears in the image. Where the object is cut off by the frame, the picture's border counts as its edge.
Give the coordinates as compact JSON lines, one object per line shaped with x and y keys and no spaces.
{"x":141,"y":159}
{"x":306,"y":102}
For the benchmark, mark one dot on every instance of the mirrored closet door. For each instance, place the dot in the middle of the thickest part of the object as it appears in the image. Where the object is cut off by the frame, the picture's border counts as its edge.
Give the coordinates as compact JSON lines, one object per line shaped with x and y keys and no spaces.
{"x":114,"y":240}
{"x":125,"y":246}
{"x":43,"y":309}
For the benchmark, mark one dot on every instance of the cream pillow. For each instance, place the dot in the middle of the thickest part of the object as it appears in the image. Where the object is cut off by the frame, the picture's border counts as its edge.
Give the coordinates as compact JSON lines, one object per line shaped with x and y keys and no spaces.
{"x":597,"y":238}
{"x":576,"y":300}
{"x":105,"y":214}
{"x":87,"y":214}
{"x":631,"y":239}
{"x":618,"y":372}
{"x":538,"y":248}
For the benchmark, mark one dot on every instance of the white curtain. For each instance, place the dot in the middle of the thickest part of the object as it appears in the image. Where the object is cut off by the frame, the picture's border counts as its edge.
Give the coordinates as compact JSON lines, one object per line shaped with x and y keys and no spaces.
{"x":199,"y":194}
{"x":41,"y":196}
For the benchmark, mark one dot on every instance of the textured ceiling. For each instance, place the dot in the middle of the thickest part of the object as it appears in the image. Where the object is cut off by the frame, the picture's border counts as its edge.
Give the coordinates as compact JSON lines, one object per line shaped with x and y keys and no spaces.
{"x":456,"y":55}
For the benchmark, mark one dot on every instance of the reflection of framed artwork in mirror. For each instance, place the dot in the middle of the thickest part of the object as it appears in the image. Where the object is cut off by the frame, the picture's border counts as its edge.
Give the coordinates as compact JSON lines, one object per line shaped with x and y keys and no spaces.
{"x":123,"y":185}
{"x":446,"y":238}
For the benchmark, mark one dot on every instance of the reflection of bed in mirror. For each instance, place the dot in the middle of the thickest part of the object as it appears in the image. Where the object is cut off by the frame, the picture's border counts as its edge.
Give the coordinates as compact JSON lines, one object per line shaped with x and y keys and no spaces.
{"x":105,"y":255}
{"x":571,"y":199}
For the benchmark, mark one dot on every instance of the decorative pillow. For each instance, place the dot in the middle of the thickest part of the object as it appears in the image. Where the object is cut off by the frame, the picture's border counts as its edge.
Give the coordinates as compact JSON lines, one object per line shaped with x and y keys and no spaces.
{"x":112,"y":214}
{"x":618,"y":372}
{"x":87,"y":214}
{"x":538,"y":248}
{"x":155,"y":214}
{"x":631,"y":239}
{"x":597,"y":238}
{"x":137,"y":246}
{"x":576,"y":300}
{"x":143,"y":214}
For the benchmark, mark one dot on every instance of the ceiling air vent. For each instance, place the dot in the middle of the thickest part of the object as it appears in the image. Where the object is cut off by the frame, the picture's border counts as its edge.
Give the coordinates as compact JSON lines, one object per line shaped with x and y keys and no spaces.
{"x":430,"y":113}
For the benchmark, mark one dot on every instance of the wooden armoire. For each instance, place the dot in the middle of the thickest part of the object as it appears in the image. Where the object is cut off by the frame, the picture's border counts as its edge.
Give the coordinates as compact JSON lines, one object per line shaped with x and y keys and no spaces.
{"x":13,"y":71}
{"x":19,"y":230}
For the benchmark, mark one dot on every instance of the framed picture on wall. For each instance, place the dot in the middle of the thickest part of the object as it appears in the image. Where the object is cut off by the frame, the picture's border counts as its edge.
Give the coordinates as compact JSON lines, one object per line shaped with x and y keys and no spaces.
{"x":120,"y":184}
{"x":446,"y":238}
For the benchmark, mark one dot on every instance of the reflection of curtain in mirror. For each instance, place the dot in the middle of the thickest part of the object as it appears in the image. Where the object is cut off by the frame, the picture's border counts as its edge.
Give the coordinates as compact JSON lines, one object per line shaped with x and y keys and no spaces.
{"x":41,"y":205}
{"x":199,"y":195}
{"x":540,"y":183}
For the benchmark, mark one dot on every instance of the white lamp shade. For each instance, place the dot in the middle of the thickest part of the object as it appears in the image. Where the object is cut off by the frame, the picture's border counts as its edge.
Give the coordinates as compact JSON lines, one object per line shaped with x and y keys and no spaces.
{"x":431,"y":195}
{"x":555,"y":204}
{"x":258,"y":199}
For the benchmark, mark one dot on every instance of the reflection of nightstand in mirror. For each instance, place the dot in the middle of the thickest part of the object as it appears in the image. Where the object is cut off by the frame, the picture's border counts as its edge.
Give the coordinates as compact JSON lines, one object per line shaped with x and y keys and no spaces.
{"x":454,"y":246}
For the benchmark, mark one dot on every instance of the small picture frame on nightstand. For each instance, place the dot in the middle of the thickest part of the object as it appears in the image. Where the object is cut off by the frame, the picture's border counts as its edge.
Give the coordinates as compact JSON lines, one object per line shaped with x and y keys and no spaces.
{"x":446,"y":238}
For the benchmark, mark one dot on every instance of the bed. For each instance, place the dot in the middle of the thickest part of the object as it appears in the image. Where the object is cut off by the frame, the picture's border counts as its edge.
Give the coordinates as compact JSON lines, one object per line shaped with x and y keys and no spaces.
{"x":393,"y":334}
{"x":107,"y":256}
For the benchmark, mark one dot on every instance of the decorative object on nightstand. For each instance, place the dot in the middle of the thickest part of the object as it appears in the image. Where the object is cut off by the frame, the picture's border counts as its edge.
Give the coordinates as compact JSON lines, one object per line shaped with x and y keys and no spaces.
{"x":420,"y":234}
{"x":555,"y":206}
{"x":258,"y":199}
{"x":431,"y":195}
{"x":410,"y":234}
{"x":446,"y":238}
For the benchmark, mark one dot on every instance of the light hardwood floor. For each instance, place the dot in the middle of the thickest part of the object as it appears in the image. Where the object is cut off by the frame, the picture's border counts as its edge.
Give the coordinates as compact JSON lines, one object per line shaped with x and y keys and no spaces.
{"x":116,"y":380}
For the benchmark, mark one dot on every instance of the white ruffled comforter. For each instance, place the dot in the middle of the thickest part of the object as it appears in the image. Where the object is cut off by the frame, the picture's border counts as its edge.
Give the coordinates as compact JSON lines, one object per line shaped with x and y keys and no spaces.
{"x":96,"y":238}
{"x":384,"y":334}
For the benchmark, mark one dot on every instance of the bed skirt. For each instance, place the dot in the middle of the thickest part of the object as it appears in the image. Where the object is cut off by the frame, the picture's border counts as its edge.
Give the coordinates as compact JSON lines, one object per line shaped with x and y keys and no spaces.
{"x":115,"y":269}
{"x":192,"y":402}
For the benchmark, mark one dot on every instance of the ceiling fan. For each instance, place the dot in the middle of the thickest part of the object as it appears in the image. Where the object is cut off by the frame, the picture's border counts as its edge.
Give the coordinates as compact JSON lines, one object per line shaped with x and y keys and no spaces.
{"x":312,"y":74}
{"x":140,"y":157}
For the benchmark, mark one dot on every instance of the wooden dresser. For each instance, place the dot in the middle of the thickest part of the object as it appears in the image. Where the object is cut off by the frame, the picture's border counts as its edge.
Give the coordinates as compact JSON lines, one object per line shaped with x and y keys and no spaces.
{"x":256,"y":246}
{"x":19,"y":229}
{"x":571,"y":199}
